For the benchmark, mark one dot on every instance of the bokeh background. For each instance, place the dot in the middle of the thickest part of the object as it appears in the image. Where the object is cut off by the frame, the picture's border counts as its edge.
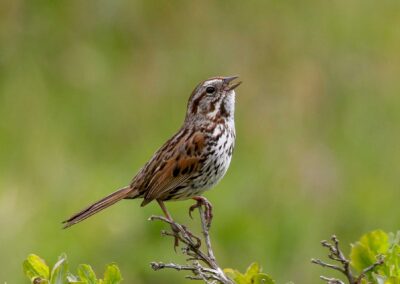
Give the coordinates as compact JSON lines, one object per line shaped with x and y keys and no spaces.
{"x":90,"y":89}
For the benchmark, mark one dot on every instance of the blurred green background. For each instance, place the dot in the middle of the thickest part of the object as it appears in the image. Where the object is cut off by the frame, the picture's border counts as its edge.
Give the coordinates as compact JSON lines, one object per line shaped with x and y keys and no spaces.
{"x":90,"y":89}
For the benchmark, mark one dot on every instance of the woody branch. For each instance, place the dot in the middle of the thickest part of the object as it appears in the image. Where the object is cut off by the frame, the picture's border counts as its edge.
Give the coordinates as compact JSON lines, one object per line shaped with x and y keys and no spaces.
{"x":201,"y":262}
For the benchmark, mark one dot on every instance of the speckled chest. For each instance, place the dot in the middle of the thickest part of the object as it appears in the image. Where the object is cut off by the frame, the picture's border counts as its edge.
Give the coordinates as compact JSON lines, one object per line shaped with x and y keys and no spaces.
{"x":215,"y":161}
{"x":218,"y":154}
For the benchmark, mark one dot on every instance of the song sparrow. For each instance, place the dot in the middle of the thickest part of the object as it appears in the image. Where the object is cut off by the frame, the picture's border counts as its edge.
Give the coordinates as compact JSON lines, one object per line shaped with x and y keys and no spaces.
{"x":192,"y":161}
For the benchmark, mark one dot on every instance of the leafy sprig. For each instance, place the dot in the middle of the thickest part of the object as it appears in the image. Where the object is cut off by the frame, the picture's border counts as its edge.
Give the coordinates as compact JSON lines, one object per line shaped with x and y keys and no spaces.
{"x":39,"y":272}
{"x":375,"y":259}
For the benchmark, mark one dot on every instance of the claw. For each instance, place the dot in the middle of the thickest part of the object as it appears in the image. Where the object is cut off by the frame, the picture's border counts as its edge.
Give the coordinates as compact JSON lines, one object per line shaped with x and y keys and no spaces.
{"x":176,"y":243}
{"x":192,"y":208}
{"x":198,"y":240}
{"x":176,"y":240}
{"x":202,"y":201}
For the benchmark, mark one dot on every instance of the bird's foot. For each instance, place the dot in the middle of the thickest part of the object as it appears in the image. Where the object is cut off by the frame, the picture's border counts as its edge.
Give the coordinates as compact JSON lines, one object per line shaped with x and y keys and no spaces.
{"x":194,"y":239}
{"x":202,"y":201}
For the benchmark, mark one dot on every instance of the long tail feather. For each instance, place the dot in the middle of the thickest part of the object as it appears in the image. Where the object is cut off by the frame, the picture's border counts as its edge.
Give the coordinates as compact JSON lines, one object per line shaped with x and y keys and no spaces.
{"x":98,"y":206}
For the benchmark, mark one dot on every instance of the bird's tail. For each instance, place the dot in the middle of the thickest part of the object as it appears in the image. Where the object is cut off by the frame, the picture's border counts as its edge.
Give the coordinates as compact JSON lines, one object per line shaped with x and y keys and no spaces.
{"x":98,"y":206}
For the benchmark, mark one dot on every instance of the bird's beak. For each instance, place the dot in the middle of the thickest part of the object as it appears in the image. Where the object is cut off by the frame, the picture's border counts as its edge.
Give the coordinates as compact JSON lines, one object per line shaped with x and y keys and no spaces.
{"x":227,"y":80}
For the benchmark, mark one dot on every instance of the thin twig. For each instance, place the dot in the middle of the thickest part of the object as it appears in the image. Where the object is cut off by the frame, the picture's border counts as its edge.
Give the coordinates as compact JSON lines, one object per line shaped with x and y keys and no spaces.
{"x":332,"y":280}
{"x":337,"y":255}
{"x":324,"y":264}
{"x":206,"y":235}
{"x":370,"y":268}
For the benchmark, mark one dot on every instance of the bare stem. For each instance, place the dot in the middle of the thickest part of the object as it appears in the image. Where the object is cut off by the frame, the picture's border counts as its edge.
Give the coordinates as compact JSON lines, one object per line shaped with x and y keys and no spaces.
{"x":211,"y":272}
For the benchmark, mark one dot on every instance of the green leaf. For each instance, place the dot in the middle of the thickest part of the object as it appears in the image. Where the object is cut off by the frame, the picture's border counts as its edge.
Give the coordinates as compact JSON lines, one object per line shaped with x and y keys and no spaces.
{"x":366,"y":250}
{"x":87,"y":274}
{"x":377,"y":241}
{"x":112,"y":275}
{"x":235,"y":275}
{"x":262,"y":278}
{"x":379,"y":279}
{"x":74,"y":279}
{"x":252,"y":270}
{"x":391,"y":265}
{"x":35,"y":267}
{"x":59,"y":271}
{"x":392,"y":280}
{"x":253,"y":275}
{"x":361,"y":257}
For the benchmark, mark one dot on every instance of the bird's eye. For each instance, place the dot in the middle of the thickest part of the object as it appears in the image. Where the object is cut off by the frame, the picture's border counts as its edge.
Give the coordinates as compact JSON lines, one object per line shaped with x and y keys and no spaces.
{"x":210,"y":90}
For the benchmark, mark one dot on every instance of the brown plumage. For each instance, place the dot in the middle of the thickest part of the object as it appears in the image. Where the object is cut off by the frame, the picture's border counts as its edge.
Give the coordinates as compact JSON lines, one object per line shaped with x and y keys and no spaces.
{"x":189,"y":163}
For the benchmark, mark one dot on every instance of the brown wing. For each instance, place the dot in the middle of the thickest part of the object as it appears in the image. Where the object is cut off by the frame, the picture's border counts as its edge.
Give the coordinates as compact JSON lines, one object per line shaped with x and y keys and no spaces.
{"x":176,"y":162}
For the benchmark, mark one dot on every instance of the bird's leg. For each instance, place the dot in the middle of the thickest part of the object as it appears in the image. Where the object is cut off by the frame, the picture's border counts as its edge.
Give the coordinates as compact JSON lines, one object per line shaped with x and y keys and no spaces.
{"x":164,"y":209}
{"x":173,"y":227}
{"x":202,"y":201}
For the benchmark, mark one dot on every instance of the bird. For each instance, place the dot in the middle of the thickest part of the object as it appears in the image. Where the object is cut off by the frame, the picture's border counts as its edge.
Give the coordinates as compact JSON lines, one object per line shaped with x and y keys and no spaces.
{"x":192,"y":161}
